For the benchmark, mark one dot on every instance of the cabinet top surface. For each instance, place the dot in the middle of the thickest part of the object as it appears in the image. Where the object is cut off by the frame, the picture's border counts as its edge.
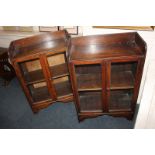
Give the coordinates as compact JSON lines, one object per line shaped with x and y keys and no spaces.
{"x":44,"y":43}
{"x":105,"y":46}
{"x":49,"y":46}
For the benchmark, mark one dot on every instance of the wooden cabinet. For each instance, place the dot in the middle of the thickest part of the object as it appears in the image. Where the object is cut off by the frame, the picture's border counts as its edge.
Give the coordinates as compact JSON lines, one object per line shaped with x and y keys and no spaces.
{"x":106,"y":72}
{"x":41,"y":66}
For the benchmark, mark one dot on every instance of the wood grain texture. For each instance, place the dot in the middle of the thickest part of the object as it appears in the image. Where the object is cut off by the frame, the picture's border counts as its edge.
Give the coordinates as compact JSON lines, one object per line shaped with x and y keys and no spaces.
{"x":105,"y":46}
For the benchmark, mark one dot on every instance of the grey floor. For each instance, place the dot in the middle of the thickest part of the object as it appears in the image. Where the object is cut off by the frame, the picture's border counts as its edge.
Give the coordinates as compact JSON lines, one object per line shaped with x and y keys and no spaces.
{"x":15,"y":113}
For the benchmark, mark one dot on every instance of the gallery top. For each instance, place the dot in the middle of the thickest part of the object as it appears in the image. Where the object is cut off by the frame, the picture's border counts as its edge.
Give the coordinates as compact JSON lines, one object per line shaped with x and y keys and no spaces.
{"x":107,"y":46}
{"x":33,"y":46}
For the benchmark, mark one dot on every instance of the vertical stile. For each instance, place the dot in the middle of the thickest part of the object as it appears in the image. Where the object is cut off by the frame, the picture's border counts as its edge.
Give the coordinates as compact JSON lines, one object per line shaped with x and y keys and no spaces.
{"x":103,"y":71}
{"x":108,"y":82}
{"x":48,"y":76}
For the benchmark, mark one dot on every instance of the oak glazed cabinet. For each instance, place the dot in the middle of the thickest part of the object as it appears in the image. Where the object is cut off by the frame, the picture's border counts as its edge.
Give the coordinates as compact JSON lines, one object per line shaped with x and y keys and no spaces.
{"x":41,"y":66}
{"x":106,"y":72}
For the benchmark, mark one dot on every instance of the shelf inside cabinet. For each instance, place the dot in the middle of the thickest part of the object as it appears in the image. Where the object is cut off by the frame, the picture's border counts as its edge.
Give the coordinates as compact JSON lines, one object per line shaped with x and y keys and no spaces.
{"x":122,"y":80}
{"x":40,"y":94}
{"x":34,"y":76}
{"x":123,"y":75}
{"x":59,"y":70}
{"x":37,"y":75}
{"x":63,"y":89}
{"x":120,"y":100}
{"x":88,"y":82}
{"x":91,"y":102}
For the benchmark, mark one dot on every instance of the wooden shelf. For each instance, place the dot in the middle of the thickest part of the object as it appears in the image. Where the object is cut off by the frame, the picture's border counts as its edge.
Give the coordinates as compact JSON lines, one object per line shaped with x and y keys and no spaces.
{"x":121,"y":80}
{"x":34,"y":77}
{"x":91,"y":102}
{"x":88,"y":82}
{"x":40,"y":94}
{"x":63,"y":89}
{"x":120,"y":100}
{"x":59,"y":70}
{"x":38,"y":76}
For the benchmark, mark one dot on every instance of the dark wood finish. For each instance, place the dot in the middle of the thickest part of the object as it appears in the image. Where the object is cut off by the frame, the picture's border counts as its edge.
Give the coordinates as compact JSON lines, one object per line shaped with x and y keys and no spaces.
{"x":29,"y":57}
{"x":45,"y":42}
{"x":122,"y":75}
{"x":59,"y":70}
{"x":63,"y":89}
{"x":91,"y":102}
{"x":121,"y":57}
{"x":38,"y":76}
{"x":34,"y":77}
{"x":105,"y":71}
{"x":120,"y":100}
{"x":44,"y":64}
{"x":105,"y":106}
{"x":40,"y":94}
{"x":89,"y":77}
{"x":89,"y":82}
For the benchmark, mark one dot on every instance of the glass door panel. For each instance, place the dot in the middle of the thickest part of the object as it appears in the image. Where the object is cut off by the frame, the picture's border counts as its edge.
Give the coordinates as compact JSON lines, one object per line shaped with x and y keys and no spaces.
{"x":90,"y":101}
{"x":120,"y":100}
{"x":62,"y":87}
{"x":32,"y":71}
{"x":89,"y":87}
{"x":123,"y":75}
{"x":60,"y":75}
{"x":88,"y":77}
{"x":35,"y":80}
{"x":58,"y":65}
{"x":39,"y":92}
{"x":122,"y":85}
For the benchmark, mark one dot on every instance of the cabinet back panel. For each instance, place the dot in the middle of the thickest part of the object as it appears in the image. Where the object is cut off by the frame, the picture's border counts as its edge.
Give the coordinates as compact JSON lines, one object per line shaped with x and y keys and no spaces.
{"x":88,"y":69}
{"x":56,"y":59}
{"x":33,"y":65}
{"x":60,"y":79}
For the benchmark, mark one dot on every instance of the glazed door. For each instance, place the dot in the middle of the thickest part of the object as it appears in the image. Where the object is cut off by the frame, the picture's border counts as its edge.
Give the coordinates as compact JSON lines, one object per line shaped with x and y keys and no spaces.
{"x":34,"y":81}
{"x":120,"y":86}
{"x":59,"y":76}
{"x":88,"y":88}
